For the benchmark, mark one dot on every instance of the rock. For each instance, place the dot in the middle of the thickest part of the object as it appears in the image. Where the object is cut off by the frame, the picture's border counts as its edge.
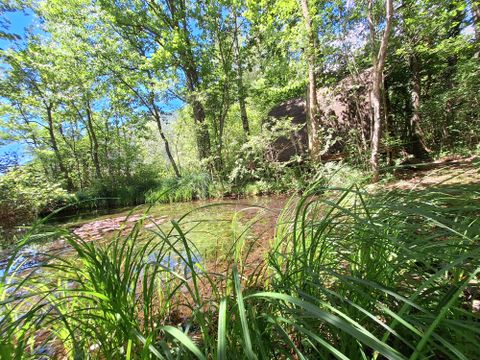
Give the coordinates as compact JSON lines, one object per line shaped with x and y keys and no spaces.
{"x":343,"y":107}
{"x":476,"y":306}
{"x":96,"y":229}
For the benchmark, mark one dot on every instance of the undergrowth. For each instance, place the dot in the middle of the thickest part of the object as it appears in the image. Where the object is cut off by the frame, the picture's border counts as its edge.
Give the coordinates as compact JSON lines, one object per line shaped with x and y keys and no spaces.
{"x":187,"y":188}
{"x":350,"y":275}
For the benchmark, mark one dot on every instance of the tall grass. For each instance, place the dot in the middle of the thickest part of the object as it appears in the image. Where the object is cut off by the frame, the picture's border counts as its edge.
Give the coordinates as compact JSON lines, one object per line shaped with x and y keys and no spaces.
{"x":187,"y":188}
{"x":350,"y":275}
{"x":116,"y":192}
{"x":396,"y":267}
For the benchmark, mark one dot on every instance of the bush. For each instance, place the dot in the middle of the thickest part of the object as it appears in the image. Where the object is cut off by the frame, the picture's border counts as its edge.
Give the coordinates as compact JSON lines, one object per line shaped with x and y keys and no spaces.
{"x":118,"y":192}
{"x":338,"y":174}
{"x":257,"y":168}
{"x":25,"y":194}
{"x":187,"y":188}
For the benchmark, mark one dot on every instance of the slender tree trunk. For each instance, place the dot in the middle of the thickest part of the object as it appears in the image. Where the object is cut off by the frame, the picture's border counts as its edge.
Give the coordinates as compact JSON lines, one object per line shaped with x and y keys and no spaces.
{"x":77,"y":158}
{"x":221,"y":129}
{"x":240,"y":85}
{"x":377,"y":124}
{"x":155,"y":111}
{"x":221,"y":125}
{"x":449,"y":77}
{"x":36,"y":144}
{"x":388,"y":121}
{"x":203,"y":137}
{"x":190,"y":68}
{"x":313,"y":113}
{"x":120,"y":149}
{"x":201,"y":130}
{"x":476,"y":24}
{"x":73,"y":148}
{"x":56,"y":151}
{"x":224,"y":107}
{"x":178,"y":22}
{"x":94,"y":140}
{"x":158,"y":120}
{"x":202,"y":134}
{"x":126,"y":141}
{"x":418,"y":148}
{"x":107,"y":148}
{"x":378,"y":61}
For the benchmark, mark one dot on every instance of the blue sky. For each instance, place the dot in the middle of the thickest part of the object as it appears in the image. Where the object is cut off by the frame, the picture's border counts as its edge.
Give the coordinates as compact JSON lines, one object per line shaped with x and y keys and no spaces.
{"x":17,"y":22}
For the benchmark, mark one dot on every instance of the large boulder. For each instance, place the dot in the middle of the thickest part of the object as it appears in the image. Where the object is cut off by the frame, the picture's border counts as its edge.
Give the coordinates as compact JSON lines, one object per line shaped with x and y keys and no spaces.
{"x":285,"y":147}
{"x":344,"y":113}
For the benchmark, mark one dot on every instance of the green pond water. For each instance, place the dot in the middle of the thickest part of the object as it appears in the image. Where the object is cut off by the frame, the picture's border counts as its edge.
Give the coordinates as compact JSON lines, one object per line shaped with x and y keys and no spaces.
{"x":214,"y":227}
{"x":209,"y":224}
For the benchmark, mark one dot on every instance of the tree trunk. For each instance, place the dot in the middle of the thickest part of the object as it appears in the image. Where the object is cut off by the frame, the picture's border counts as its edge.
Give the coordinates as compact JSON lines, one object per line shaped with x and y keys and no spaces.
{"x":222,"y":112}
{"x":56,"y":151}
{"x":314,"y":131}
{"x":107,"y":148}
{"x":241,"y":88}
{"x":201,"y":128}
{"x":193,"y":84}
{"x":203,"y":137}
{"x":126,"y":141}
{"x":417,"y":147}
{"x":449,"y":77}
{"x":36,"y":143}
{"x":158,"y":120}
{"x":378,"y":61}
{"x":155,"y":111}
{"x":476,"y":24}
{"x":377,"y":125}
{"x":73,"y":148}
{"x":94,"y":141}
{"x":221,"y":125}
{"x":388,"y":122}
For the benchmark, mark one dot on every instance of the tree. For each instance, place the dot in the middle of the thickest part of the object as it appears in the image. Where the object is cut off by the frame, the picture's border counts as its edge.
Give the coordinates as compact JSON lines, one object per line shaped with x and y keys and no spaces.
{"x":476,"y":21}
{"x":239,"y":67}
{"x":378,"y":61}
{"x":415,"y":29}
{"x":7,"y":6}
{"x":166,"y":30}
{"x":119,"y":65}
{"x":36,"y":78}
{"x":314,"y":133}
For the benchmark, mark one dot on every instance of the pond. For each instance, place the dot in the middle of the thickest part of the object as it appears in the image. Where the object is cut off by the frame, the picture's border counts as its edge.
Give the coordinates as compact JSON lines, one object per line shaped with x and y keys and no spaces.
{"x":212,"y":227}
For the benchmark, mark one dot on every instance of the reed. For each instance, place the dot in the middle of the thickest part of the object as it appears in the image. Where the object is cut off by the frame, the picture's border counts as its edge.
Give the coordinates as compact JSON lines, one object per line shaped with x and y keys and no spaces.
{"x":350,"y":275}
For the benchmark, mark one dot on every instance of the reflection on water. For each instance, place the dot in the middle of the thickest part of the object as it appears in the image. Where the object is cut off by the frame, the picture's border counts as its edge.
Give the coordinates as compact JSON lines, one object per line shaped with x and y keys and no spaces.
{"x":174,"y":262}
{"x":31,"y":258}
{"x":26,"y":259}
{"x":209,"y":228}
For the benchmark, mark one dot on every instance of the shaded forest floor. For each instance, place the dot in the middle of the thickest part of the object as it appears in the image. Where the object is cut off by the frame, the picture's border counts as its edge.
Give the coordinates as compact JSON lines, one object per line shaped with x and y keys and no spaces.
{"x":445,"y":171}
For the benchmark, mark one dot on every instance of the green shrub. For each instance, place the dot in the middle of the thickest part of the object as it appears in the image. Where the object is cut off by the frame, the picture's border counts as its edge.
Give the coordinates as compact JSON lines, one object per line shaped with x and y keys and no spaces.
{"x":187,"y":188}
{"x":118,"y":192}
{"x":337,"y":174}
{"x":25,"y":194}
